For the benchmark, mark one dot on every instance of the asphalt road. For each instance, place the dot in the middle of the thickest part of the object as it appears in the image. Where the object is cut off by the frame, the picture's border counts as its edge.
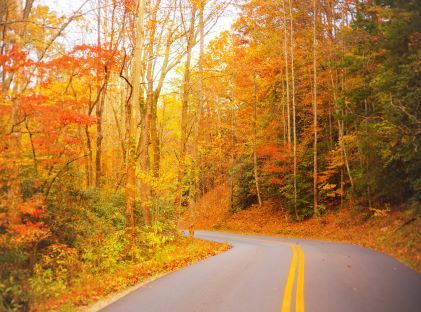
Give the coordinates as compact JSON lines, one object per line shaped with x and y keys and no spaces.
{"x":262,"y":273}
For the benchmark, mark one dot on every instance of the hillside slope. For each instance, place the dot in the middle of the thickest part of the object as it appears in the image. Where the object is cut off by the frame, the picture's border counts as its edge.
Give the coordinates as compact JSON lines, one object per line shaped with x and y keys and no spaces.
{"x":395,"y":232}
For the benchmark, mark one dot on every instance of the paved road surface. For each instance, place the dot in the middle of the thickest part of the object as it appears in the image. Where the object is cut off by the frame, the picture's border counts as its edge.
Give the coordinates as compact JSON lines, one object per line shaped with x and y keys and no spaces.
{"x":265,"y":274}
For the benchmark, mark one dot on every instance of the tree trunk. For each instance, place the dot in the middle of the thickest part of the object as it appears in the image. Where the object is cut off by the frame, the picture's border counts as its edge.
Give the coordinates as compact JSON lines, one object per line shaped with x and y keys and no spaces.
{"x":194,"y":191}
{"x":99,"y":109}
{"x":294,"y":128}
{"x":315,"y":125}
{"x":99,"y":134}
{"x":130,"y":185}
{"x":89,"y":158}
{"x":156,"y":148}
{"x":287,"y":74}
{"x":255,"y":166}
{"x":184,"y":116}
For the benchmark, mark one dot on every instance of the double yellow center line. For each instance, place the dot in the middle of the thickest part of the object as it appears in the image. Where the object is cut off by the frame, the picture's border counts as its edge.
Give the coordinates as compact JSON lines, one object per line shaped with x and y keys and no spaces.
{"x":297,"y":260}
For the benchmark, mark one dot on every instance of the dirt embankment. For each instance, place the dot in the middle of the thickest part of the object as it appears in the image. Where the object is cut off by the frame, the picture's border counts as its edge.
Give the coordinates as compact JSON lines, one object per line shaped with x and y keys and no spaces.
{"x":397,"y":233}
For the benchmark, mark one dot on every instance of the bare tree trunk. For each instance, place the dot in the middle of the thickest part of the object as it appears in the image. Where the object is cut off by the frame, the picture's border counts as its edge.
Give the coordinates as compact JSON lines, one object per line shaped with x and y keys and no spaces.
{"x":184,"y":117}
{"x":287,"y":74}
{"x":16,"y":11}
{"x":194,"y":192}
{"x":99,"y":109}
{"x":294,"y":128}
{"x":341,"y":125}
{"x":99,"y":137}
{"x":149,"y":134}
{"x":255,"y":167}
{"x":130,"y":185}
{"x":146,"y":126}
{"x":155,"y":138}
{"x":315,"y":125}
{"x":232,"y":160}
{"x":284,"y":113}
{"x":89,"y":158}
{"x":156,"y":148}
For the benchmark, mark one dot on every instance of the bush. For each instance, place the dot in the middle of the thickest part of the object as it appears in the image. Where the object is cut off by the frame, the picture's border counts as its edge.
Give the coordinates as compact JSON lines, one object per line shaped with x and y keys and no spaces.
{"x":57,"y":268}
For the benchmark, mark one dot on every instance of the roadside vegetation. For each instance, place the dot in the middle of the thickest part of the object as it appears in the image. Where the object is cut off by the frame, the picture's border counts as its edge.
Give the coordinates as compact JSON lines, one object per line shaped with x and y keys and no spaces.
{"x":87,"y":286}
{"x":395,"y":232}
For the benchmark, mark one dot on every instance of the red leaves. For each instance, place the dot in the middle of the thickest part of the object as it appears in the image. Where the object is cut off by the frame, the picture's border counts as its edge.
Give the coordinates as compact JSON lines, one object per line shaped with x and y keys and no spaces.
{"x":34,"y":208}
{"x":25,"y":226}
{"x":5,"y":110}
{"x":129,"y":5}
{"x":28,"y":233}
{"x":277,"y":181}
{"x":80,"y":119}
{"x":274,"y":169}
{"x":275,"y":162}
{"x":14,"y":60}
{"x":30,"y":103}
{"x":73,"y":140}
{"x":273,"y":151}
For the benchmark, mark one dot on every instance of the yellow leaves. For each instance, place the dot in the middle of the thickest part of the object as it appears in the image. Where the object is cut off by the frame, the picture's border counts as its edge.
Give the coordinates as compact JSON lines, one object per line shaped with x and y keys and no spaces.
{"x":28,"y":233}
{"x":91,"y":287}
{"x":331,"y":190}
{"x":349,"y":138}
{"x":380,"y":212}
{"x":328,"y":187}
{"x":42,"y":27}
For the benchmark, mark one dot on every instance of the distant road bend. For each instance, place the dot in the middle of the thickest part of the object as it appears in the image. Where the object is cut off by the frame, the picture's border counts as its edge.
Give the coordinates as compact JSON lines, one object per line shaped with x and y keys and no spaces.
{"x":262,"y":273}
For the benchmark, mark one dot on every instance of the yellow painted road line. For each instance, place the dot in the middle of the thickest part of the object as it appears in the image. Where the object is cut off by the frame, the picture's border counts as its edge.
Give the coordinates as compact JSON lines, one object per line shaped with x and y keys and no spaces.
{"x":297,"y":257}
{"x":299,"y":297}
{"x":286,"y":302}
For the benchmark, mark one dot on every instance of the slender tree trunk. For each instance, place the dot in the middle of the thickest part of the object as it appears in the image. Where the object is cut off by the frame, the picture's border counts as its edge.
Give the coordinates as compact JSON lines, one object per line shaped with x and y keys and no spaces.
{"x":194,"y":191}
{"x":15,"y":11}
{"x":155,"y":137}
{"x":342,"y":144}
{"x":294,"y":127}
{"x":149,"y":126}
{"x":155,"y":141}
{"x":284,"y":114}
{"x":184,"y":116}
{"x":287,"y":73}
{"x":315,"y":125}
{"x":341,"y":124}
{"x":99,"y":135}
{"x":144,"y":140}
{"x":99,"y":106}
{"x":255,"y":165}
{"x":89,"y":160}
{"x":130,"y":185}
{"x":232,"y":160}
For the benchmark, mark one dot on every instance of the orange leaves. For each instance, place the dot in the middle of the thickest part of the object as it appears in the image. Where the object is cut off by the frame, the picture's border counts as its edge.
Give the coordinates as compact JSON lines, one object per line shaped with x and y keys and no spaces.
{"x":275,"y":162}
{"x":80,"y":119}
{"x":34,"y":208}
{"x":5,"y":110}
{"x":26,"y":227}
{"x":129,"y":5}
{"x":28,"y":233}
{"x":277,"y":181}
{"x":14,"y":60}
{"x":273,"y":151}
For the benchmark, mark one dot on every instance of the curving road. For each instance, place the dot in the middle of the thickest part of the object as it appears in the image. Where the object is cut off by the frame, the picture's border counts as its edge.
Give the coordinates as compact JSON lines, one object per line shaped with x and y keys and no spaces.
{"x":262,"y":273}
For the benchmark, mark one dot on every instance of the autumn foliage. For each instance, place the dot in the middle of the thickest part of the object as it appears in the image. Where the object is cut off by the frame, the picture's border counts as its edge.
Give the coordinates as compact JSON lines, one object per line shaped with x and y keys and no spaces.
{"x":118,"y":117}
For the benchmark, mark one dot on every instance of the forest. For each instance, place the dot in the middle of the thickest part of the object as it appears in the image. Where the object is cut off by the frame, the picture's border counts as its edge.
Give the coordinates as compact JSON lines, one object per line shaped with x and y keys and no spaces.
{"x":118,"y":117}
